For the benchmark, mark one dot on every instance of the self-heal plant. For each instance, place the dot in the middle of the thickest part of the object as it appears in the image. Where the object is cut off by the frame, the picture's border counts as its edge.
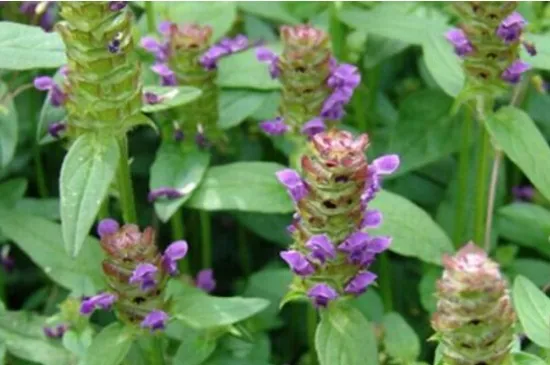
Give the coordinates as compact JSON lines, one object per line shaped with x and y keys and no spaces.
{"x":332,"y":250}
{"x":474,"y":318}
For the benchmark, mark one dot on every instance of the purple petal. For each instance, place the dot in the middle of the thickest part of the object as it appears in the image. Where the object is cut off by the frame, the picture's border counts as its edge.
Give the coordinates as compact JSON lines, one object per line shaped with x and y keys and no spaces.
{"x":150,"y":44}
{"x":294,"y":184}
{"x":107,"y":227}
{"x":205,"y":280}
{"x":314,"y":126}
{"x":355,"y":242}
{"x":144,"y":275}
{"x":360,"y":282}
{"x":164,"y":27}
{"x":386,"y":165}
{"x":55,"y":129}
{"x":162,"y":69}
{"x":43,"y":83}
{"x":101,"y":301}
{"x":274,"y":127}
{"x":511,"y":27}
{"x":321,"y":247}
{"x":117,"y":5}
{"x":344,"y":76}
{"x":177,"y":250}
{"x":460,"y":41}
{"x":322,"y":294}
{"x":297,"y":262}
{"x":513,"y":73}
{"x":155,"y":320}
{"x":372,"y":219}
{"x":164,"y":192}
{"x":379,"y":244}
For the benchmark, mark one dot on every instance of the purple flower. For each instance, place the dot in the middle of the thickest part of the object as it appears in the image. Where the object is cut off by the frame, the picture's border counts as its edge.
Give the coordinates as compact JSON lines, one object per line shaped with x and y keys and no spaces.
{"x":314,"y":126}
{"x":371,"y":219}
{"x":55,"y":332}
{"x":101,"y":301}
{"x":155,"y":320}
{"x":237,"y":44}
{"x":530,"y":48}
{"x":321,"y":247}
{"x":205,"y":280}
{"x":107,"y":227}
{"x":55,"y":129}
{"x":164,"y":192}
{"x":43,"y":83}
{"x":46,"y":83}
{"x":151,"y":98}
{"x":523,"y":193}
{"x":144,"y":275}
{"x":176,"y":251}
{"x":210,"y":58}
{"x":164,"y":27}
{"x":322,"y":294}
{"x":117,"y":5}
{"x":201,"y":140}
{"x":167,"y":75}
{"x":513,"y":73}
{"x":358,"y":284}
{"x":355,"y":242}
{"x":294,"y":184}
{"x":333,"y":107}
{"x":151,"y":45}
{"x":510,"y":28}
{"x":297,"y":262}
{"x":267,"y":56}
{"x":385,"y":165}
{"x":379,"y":244}
{"x":344,"y":76}
{"x":274,"y":127}
{"x":460,"y":41}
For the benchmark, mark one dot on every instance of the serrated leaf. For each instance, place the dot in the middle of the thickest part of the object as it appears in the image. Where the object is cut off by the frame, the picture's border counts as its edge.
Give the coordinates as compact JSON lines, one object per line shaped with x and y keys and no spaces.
{"x":24,"y":47}
{"x":413,"y":231}
{"x":246,"y":186}
{"x":517,"y":135}
{"x":8,"y":124}
{"x":237,"y":105}
{"x":87,"y":172}
{"x":170,"y":97}
{"x":402,"y":342}
{"x":179,"y":169}
{"x":110,"y":346}
{"x":533,"y":310}
{"x":345,"y":337}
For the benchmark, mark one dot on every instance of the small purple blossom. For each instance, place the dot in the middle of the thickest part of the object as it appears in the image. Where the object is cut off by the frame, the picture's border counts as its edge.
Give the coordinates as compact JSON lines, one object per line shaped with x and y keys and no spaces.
{"x":267,"y":56}
{"x":43,"y":83}
{"x":155,"y":320}
{"x":102,"y":301}
{"x":117,"y":5}
{"x":293,"y":182}
{"x":209,"y":59}
{"x":314,"y":126}
{"x":358,"y":284}
{"x":379,"y":244}
{"x":167,"y":75}
{"x":151,"y":45}
{"x":513,"y":73}
{"x":151,"y":98}
{"x":205,"y":280}
{"x":510,"y":28}
{"x":237,"y":44}
{"x":355,"y":242}
{"x":322,"y":294}
{"x":144,"y":275}
{"x":385,"y":165}
{"x":460,"y":41}
{"x":173,"y":253}
{"x":55,"y":129}
{"x":530,"y":48}
{"x":55,"y":332}
{"x":321,"y":247}
{"x":46,"y":83}
{"x":333,"y":107}
{"x":164,"y":27}
{"x":371,"y":219}
{"x":297,"y":262}
{"x":344,"y":76}
{"x":523,"y":193}
{"x":164,"y":192}
{"x":274,"y":127}
{"x":107,"y":227}
{"x":178,"y":134}
{"x":201,"y":140}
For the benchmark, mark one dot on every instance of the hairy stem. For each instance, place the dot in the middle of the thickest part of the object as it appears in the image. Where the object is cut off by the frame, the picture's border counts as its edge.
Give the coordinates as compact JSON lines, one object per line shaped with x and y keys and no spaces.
{"x":206,"y":239}
{"x":124,"y":183}
{"x":463,"y":177}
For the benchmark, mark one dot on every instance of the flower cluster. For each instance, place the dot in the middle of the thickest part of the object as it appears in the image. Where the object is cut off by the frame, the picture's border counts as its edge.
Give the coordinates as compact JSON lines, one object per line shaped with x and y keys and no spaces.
{"x":332,"y":252}
{"x":315,"y":88}
{"x":488,"y":40}
{"x":136,"y":274}
{"x":184,"y":57}
{"x":474,"y":319}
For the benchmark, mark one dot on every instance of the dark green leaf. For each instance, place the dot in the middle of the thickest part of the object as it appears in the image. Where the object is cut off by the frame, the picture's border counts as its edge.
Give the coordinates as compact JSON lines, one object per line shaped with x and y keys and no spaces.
{"x":271,"y":227}
{"x":370,"y":304}
{"x":237,"y":105}
{"x":538,"y":271}
{"x":236,"y":351}
{"x":8,"y":122}
{"x":247,"y":186}
{"x":401,"y":343}
{"x":196,"y":346}
{"x":170,"y":97}
{"x":533,"y":309}
{"x":179,"y":169}
{"x":110,"y":346}
{"x":345,"y":337}
{"x":87,"y":172}
{"x":12,"y":191}
{"x":426,"y":289}
{"x":24,"y":47}
{"x":516,"y":134}
{"x":381,"y":48}
{"x":42,"y":241}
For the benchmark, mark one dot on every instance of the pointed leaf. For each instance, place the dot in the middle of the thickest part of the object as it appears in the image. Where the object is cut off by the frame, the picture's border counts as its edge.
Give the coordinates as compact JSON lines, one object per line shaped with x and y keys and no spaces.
{"x":533,"y":309}
{"x":170,"y":97}
{"x":110,"y":346}
{"x":402,"y":344}
{"x":8,"y":125}
{"x":237,"y":105}
{"x":443,"y":64}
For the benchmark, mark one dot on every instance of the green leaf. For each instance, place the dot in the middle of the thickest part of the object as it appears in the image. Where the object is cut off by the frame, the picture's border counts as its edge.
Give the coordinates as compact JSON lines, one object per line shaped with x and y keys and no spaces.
{"x":519,"y":138}
{"x":196,"y":346}
{"x":47,"y":208}
{"x":417,"y":145}
{"x":524,"y":358}
{"x":271,"y":227}
{"x":76,"y":342}
{"x":170,"y":97}
{"x":370,"y":304}
{"x":538,"y":271}
{"x":87,"y":172}
{"x":50,"y":114}
{"x":236,"y":351}
{"x":542,"y":59}
{"x":526,"y":224}
{"x":110,"y":346}
{"x":381,"y":48}
{"x":24,"y":47}
{"x":42,"y":241}
{"x":533,"y":309}
{"x":246,"y":186}
{"x":237,"y":105}
{"x":401,"y":343}
{"x":443,"y":64}
{"x":426,"y":288}
{"x":243,"y":70}
{"x":23,"y":335}
{"x":12,"y":191}
{"x":414,"y":232}
{"x":272,"y":10}
{"x":8,"y":123}
{"x":345,"y":337}
{"x":179,"y":169}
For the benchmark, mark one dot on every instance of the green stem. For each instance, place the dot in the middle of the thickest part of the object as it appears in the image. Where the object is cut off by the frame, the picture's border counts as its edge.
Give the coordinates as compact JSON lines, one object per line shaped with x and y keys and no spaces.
{"x":385,"y":282}
{"x":359,"y":110}
{"x":149,"y":12}
{"x":491,"y":202}
{"x":311,"y":328}
{"x":243,"y":251}
{"x":337,"y":32}
{"x":40,"y":175}
{"x":463,"y":178}
{"x":124,"y":183}
{"x":206,"y":239}
{"x":157,"y":351}
{"x":178,"y":233}
{"x":481,"y":186}
{"x":373,"y":81}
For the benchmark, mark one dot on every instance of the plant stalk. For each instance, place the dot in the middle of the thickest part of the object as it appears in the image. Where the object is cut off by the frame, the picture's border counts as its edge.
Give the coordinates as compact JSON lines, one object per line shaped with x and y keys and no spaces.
{"x":124,"y":183}
{"x":481,"y":188}
{"x":463,"y":177}
{"x":157,"y":351}
{"x":491,"y":202}
{"x":206,"y":239}
{"x":40,"y":174}
{"x":150,"y":14}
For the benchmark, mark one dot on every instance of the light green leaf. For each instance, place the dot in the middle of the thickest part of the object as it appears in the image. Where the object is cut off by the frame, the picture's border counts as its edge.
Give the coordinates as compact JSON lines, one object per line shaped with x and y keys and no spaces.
{"x":87,"y":172}
{"x":414,"y":232}
{"x":196,"y":346}
{"x":524,"y":358}
{"x":380,"y":48}
{"x":76,"y":342}
{"x":170,"y":97}
{"x":23,"y":335}
{"x":42,"y":241}
{"x":47,"y":208}
{"x":24,"y":47}
{"x":8,"y":123}
{"x":401,"y":343}
{"x":236,"y":351}
{"x":11,"y":191}
{"x":542,"y":59}
{"x":247,"y":186}
{"x":237,"y":105}
{"x":443,"y":64}
{"x":110,"y":346}
{"x":271,"y":227}
{"x":516,"y":134}
{"x":426,"y":288}
{"x":345,"y":337}
{"x":272,"y":10}
{"x":533,"y":309}
{"x":50,"y":114}
{"x":370,"y":304}
{"x":243,"y":70}
{"x":179,"y":169}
